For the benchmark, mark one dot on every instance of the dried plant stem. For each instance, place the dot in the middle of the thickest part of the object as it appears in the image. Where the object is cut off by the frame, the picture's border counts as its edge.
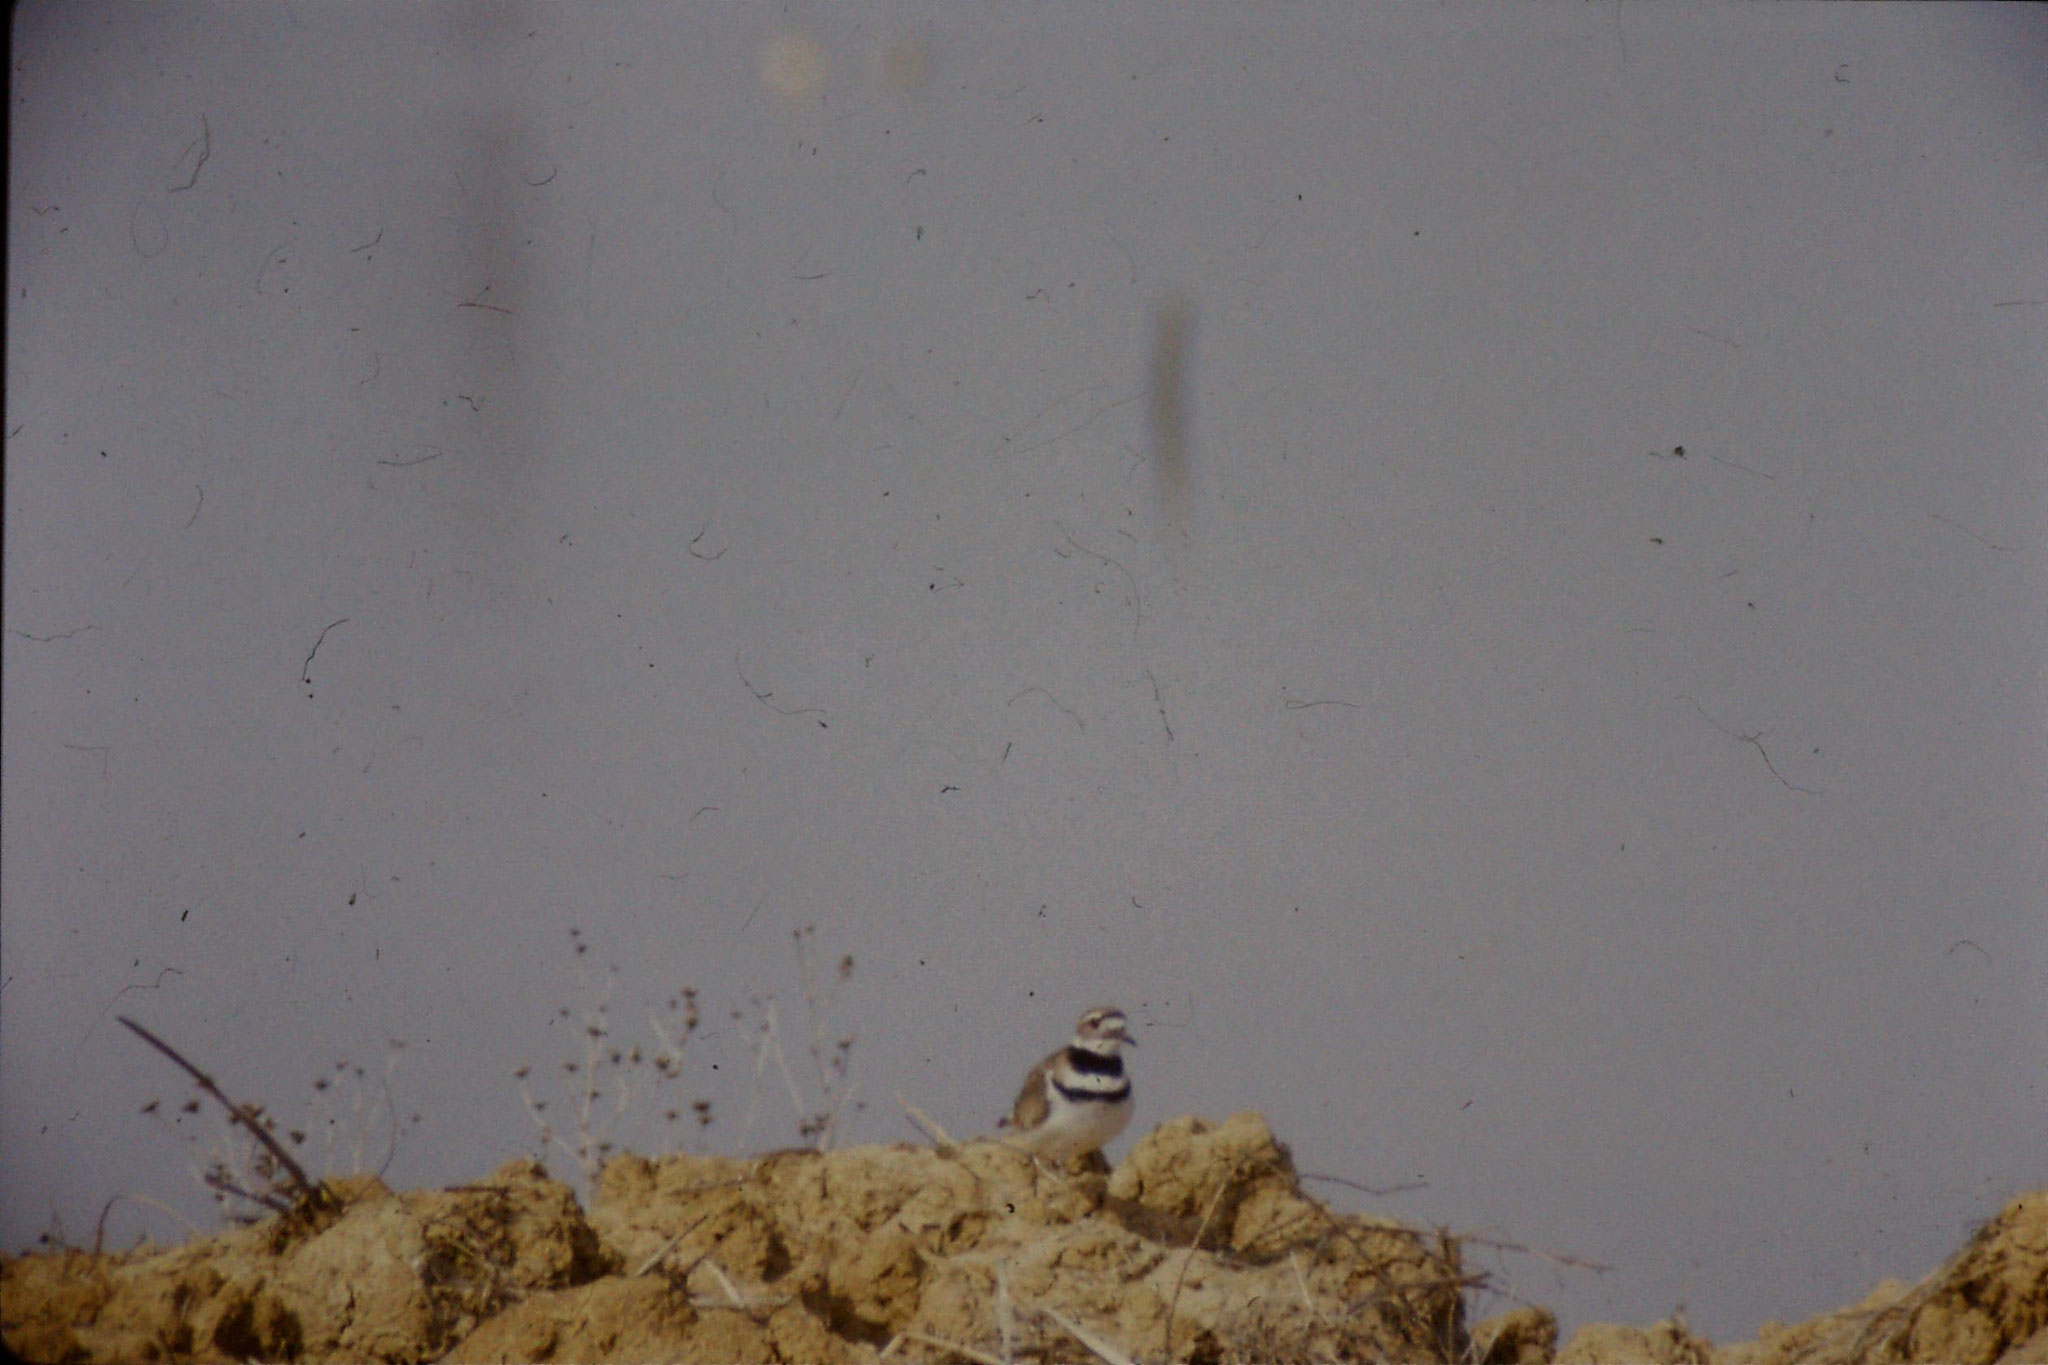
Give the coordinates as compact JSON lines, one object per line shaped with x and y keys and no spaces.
{"x":1301,"y":1282}
{"x":926,"y":1124}
{"x":1194,"y":1248}
{"x":100,"y":1229}
{"x":724,"y":1282}
{"x":955,"y":1347}
{"x":1103,"y":1348}
{"x":1005,"y":1317}
{"x":302,"y":1186}
{"x":670,"y":1244}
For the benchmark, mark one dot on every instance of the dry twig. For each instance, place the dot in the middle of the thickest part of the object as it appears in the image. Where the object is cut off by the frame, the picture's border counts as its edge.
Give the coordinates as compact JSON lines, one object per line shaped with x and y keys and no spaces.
{"x":301,"y":1186}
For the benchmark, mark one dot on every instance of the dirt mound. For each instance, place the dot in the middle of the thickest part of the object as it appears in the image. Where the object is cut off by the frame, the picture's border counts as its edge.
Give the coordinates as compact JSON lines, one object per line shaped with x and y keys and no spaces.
{"x":1987,"y":1306}
{"x":1199,"y":1246}
{"x":383,"y":1276}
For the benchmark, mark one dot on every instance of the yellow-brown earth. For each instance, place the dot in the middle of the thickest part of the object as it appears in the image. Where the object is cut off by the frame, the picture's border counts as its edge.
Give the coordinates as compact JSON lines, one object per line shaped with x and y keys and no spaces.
{"x":1200,"y":1246}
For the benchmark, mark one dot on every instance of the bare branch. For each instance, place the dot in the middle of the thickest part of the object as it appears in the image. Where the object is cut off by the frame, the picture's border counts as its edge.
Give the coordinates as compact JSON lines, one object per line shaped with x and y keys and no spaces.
{"x":302,"y":1186}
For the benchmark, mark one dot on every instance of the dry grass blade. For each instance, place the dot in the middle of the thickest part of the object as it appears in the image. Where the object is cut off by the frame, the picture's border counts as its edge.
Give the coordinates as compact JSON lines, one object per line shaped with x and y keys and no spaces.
{"x":1005,"y":1324}
{"x":1301,"y":1283}
{"x":1193,"y":1248}
{"x":927,"y":1125}
{"x":732,"y":1292}
{"x":955,"y":1347}
{"x":670,"y":1245}
{"x":99,"y":1235}
{"x":1093,"y":1342}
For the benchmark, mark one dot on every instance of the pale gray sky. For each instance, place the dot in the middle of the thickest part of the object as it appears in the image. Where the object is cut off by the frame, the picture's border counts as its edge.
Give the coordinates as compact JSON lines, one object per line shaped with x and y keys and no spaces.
{"x":685,"y":473}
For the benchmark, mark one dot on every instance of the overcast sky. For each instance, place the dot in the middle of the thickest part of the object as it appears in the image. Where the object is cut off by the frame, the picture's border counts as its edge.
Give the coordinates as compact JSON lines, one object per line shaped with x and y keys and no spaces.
{"x":1561,"y":721}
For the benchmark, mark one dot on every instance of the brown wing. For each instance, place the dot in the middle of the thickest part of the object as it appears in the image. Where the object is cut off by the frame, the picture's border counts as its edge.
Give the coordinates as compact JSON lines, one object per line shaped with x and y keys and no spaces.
{"x":1030,"y":1109}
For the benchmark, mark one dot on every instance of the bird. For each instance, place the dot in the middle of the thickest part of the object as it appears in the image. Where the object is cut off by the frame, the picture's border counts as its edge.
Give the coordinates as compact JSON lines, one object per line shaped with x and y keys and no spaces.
{"x":1079,"y":1097}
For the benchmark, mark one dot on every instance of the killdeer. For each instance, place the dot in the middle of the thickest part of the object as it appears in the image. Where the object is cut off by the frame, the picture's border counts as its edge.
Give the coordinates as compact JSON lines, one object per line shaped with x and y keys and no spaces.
{"x":1078,"y":1098}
